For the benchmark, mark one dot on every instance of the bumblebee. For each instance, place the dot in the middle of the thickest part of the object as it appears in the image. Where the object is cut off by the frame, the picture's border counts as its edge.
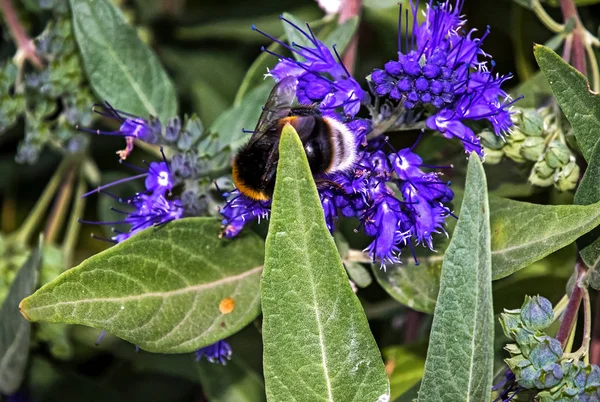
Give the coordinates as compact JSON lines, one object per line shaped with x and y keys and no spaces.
{"x":329,"y":145}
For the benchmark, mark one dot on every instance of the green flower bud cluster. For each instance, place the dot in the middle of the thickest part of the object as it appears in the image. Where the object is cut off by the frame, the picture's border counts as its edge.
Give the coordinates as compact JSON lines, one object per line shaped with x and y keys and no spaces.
{"x":538,"y":137}
{"x":537,"y":360}
{"x":54,"y":99}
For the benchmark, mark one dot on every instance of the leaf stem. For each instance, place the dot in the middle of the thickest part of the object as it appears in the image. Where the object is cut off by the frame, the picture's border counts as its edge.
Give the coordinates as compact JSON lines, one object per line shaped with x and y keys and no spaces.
{"x":570,"y":315}
{"x":545,"y":18}
{"x":59,"y":209}
{"x":349,"y":9}
{"x":35,"y":216}
{"x":25,"y":46}
{"x":593,"y":67}
{"x":583,"y":350}
{"x":74,"y":226}
{"x":560,"y":307}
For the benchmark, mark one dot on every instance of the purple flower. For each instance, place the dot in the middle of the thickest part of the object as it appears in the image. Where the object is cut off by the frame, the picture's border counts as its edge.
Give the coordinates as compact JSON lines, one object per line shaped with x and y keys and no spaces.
{"x":159,"y":178}
{"x":322,"y":77}
{"x":132,"y":127}
{"x":446,"y":68}
{"x":146,"y":209}
{"x":240,"y":210}
{"x":219,"y":352}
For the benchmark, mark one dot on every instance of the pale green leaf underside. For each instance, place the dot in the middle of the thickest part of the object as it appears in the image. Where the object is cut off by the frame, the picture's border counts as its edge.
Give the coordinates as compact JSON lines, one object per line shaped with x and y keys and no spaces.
{"x":120,"y":67}
{"x":523,"y":233}
{"x":161,"y":289}
{"x":14,"y":329}
{"x":571,"y":90}
{"x":317,"y":341}
{"x":460,"y":355}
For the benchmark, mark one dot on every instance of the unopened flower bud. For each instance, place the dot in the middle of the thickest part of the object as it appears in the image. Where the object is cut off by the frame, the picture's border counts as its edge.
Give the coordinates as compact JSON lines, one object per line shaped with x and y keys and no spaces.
{"x":537,"y":312}
{"x":558,"y":154}
{"x":541,"y":175}
{"x":530,"y":122}
{"x":547,"y":351}
{"x":532,"y":148}
{"x":492,"y":156}
{"x":491,"y":140}
{"x":568,"y":177}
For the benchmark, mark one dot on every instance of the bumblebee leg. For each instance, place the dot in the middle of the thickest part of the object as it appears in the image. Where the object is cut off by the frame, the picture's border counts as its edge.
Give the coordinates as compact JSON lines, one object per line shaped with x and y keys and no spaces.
{"x":325,"y":184}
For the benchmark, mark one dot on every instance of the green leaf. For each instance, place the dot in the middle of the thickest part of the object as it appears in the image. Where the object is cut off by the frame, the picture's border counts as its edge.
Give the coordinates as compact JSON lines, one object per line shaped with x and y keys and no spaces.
{"x":535,"y":90}
{"x":415,"y":286}
{"x":228,"y":126}
{"x":317,"y":342}
{"x":161,"y":289}
{"x":119,"y":66}
{"x":341,"y":36}
{"x":231,"y":382}
{"x":15,"y":331}
{"x":405,"y":366}
{"x":587,"y":193}
{"x":572,"y":92}
{"x":460,"y":355}
{"x":523,"y":233}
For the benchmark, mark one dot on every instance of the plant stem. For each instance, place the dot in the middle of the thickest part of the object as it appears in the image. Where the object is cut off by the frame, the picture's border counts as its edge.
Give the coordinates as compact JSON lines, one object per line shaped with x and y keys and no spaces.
{"x":350,"y":8}
{"x":587,"y":326}
{"x":593,"y":67}
{"x":569,"y":11}
{"x":35,"y":216}
{"x":59,"y":209}
{"x":25,"y":47}
{"x":560,"y":307}
{"x":566,"y":326}
{"x":545,"y":18}
{"x":74,"y":226}
{"x":595,"y":347}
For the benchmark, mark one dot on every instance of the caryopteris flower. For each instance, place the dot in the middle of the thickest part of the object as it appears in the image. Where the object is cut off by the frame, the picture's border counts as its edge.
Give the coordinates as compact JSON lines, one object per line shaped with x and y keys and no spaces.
{"x":322,"y":77}
{"x":219,"y":352}
{"x":442,"y":77}
{"x":445,"y":68}
{"x":145,"y":209}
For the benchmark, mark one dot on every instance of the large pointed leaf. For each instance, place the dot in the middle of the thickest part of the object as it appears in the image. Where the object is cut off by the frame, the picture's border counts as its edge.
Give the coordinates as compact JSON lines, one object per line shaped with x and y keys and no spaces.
{"x":460,"y":361}
{"x":317,"y":342}
{"x":523,"y":233}
{"x":587,"y":193}
{"x":14,"y":329}
{"x":162,"y":289}
{"x":571,"y":89}
{"x":119,"y":66}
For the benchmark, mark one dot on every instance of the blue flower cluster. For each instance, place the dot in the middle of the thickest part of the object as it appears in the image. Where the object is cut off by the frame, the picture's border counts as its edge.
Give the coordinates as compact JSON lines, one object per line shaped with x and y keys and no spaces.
{"x":444,"y":67}
{"x":151,"y":207}
{"x":398,"y":199}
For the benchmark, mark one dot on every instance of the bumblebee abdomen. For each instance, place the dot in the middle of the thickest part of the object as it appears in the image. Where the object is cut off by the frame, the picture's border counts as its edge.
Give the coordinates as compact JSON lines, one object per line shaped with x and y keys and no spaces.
{"x":343,"y":146}
{"x":251,"y":175}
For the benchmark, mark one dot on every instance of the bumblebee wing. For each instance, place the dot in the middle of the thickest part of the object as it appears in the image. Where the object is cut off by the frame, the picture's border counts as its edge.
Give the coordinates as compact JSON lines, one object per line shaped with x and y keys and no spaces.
{"x":277,"y":107}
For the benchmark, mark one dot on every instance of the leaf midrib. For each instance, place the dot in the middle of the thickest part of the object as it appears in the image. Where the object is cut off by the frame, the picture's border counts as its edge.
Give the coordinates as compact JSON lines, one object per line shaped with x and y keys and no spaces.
{"x":175,"y":292}
{"x":314,"y":295}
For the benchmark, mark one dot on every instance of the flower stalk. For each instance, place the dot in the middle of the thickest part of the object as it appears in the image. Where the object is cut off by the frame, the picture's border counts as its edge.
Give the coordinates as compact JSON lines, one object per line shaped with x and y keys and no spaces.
{"x":25,"y":46}
{"x":73,"y":227}
{"x":59,"y":209}
{"x":568,"y":321}
{"x":23,"y":235}
{"x":350,"y":8}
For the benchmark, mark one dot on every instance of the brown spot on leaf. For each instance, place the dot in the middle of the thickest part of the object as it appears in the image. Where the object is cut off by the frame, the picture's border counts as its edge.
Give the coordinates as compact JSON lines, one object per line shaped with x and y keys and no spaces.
{"x":227,"y":305}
